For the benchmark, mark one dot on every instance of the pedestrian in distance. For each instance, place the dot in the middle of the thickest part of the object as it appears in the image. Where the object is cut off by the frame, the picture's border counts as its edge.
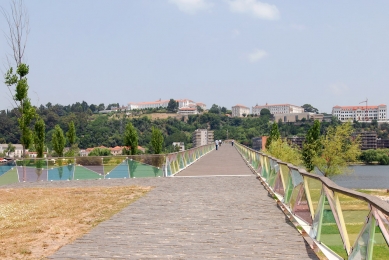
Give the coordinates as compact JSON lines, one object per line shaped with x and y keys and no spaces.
{"x":217,"y":144}
{"x":232,"y":143}
{"x":220,"y":143}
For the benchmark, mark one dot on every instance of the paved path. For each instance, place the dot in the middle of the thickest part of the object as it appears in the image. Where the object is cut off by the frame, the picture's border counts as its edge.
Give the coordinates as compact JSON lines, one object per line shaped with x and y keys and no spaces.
{"x":225,"y":161}
{"x":190,"y":218}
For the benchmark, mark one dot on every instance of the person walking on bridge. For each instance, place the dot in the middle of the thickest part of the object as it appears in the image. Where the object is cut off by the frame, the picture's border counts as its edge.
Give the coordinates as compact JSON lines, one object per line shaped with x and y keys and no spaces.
{"x":217,"y":144}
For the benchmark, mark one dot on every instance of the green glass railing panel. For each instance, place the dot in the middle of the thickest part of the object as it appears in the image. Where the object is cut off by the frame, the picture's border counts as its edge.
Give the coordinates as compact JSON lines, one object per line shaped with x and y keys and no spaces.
{"x":360,"y":247}
{"x":330,"y":234}
{"x":285,"y":174}
{"x":11,"y":176}
{"x":83,"y":173}
{"x":380,"y":247}
{"x":314,"y":189}
{"x":355,"y":212}
{"x":295,"y":193}
{"x":112,"y":163}
{"x":301,"y":207}
{"x":278,"y":186}
{"x":288,"y":191}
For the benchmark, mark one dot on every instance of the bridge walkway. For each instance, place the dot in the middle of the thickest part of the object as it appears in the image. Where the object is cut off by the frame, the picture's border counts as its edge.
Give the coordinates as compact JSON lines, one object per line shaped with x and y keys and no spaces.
{"x":207,"y":217}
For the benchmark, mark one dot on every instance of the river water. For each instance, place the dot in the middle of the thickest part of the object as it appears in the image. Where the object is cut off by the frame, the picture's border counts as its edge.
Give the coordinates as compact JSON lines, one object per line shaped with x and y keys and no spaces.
{"x":365,"y":177}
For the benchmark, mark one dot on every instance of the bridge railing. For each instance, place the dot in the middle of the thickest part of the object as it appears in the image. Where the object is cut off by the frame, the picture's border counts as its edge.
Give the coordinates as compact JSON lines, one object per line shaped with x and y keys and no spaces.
{"x":99,"y":167}
{"x":342,"y":222}
{"x":176,"y":162}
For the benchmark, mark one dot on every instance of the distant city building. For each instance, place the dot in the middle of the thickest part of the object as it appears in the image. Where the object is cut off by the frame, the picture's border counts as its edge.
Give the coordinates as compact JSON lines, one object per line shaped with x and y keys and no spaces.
{"x":382,"y":143}
{"x":368,"y":139}
{"x":18,"y":150}
{"x":181,"y":145}
{"x":239,"y":110}
{"x":278,"y":109}
{"x":182,"y":103}
{"x":258,"y":142}
{"x":296,"y":140}
{"x":360,"y":113}
{"x":202,"y":137}
{"x":187,"y":111}
{"x":297,"y":117}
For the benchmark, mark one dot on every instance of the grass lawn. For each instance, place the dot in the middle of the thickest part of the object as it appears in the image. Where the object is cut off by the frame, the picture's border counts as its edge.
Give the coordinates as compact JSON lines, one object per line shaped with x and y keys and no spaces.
{"x":36,"y":222}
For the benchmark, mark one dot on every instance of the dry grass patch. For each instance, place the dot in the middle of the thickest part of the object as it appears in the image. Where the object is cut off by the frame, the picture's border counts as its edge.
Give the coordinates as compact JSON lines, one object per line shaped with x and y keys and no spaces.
{"x":36,"y":222}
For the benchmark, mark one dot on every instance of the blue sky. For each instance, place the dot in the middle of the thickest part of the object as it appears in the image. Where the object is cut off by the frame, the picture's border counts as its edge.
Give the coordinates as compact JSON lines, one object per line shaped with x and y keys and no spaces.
{"x":213,"y":51}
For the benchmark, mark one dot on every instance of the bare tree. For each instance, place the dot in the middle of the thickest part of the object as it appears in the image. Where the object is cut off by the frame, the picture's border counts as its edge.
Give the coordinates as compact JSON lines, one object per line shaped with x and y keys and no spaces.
{"x":18,"y":29}
{"x":17,"y":20}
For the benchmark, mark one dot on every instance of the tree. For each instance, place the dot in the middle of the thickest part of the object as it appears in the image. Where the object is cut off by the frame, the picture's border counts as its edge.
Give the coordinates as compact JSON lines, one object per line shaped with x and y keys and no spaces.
{"x":338,"y":148}
{"x":282,"y":150}
{"x":156,"y":140}
{"x":172,"y":106}
{"x":39,"y":137}
{"x":274,"y":135}
{"x":215,"y":109}
{"x":311,"y":146}
{"x":18,"y":29}
{"x":71,"y":136}
{"x":100,"y":152}
{"x":131,"y":138}
{"x":264,"y":112}
{"x":310,"y":108}
{"x":58,"y":141}
{"x":26,"y":111}
{"x":71,"y":133}
{"x":369,"y":156}
{"x":199,"y":109}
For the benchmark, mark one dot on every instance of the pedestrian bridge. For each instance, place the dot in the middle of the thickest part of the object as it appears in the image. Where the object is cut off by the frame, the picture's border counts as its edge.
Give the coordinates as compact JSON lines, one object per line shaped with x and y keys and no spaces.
{"x":231,"y":203}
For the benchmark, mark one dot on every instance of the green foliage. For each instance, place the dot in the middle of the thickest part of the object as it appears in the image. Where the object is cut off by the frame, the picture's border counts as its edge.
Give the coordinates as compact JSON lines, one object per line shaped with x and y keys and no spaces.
{"x":310,"y":108}
{"x":172,"y":106}
{"x":39,"y":137}
{"x":274,"y":135}
{"x":215,"y":109}
{"x":156,"y":140}
{"x":281,"y":150}
{"x":373,"y":156}
{"x":98,"y":151}
{"x":71,"y":133}
{"x":131,"y":138}
{"x":338,"y":149}
{"x":264,"y":112}
{"x":311,"y":146}
{"x":26,"y":111}
{"x":58,"y":141}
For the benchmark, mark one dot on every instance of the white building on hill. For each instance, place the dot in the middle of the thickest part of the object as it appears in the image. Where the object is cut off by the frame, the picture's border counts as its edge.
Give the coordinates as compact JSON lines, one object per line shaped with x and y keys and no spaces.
{"x":239,"y":110}
{"x":360,"y":113}
{"x":182,"y":103}
{"x":278,"y":109}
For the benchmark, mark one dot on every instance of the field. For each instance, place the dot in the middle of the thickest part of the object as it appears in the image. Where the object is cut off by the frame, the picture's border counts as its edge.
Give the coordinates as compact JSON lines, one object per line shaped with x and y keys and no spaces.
{"x":36,"y":222}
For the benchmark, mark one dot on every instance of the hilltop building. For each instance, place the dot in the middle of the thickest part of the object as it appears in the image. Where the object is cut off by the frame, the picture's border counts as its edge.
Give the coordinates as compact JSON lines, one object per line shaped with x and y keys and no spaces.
{"x":202,"y":137}
{"x":278,"y":109}
{"x":239,"y":110}
{"x":360,"y":113}
{"x":294,"y":117}
{"x":182,"y":103}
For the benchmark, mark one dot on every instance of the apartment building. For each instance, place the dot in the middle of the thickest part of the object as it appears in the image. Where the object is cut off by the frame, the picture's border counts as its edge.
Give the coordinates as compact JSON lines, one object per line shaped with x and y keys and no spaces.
{"x":202,"y":137}
{"x":360,"y":113}
{"x":239,"y":110}
{"x":278,"y":109}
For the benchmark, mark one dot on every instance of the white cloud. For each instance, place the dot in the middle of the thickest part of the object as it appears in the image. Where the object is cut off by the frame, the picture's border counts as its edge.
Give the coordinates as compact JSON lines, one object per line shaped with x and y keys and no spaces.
{"x":255,"y":8}
{"x":338,"y":88}
{"x":257,"y":55}
{"x":192,"y":6}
